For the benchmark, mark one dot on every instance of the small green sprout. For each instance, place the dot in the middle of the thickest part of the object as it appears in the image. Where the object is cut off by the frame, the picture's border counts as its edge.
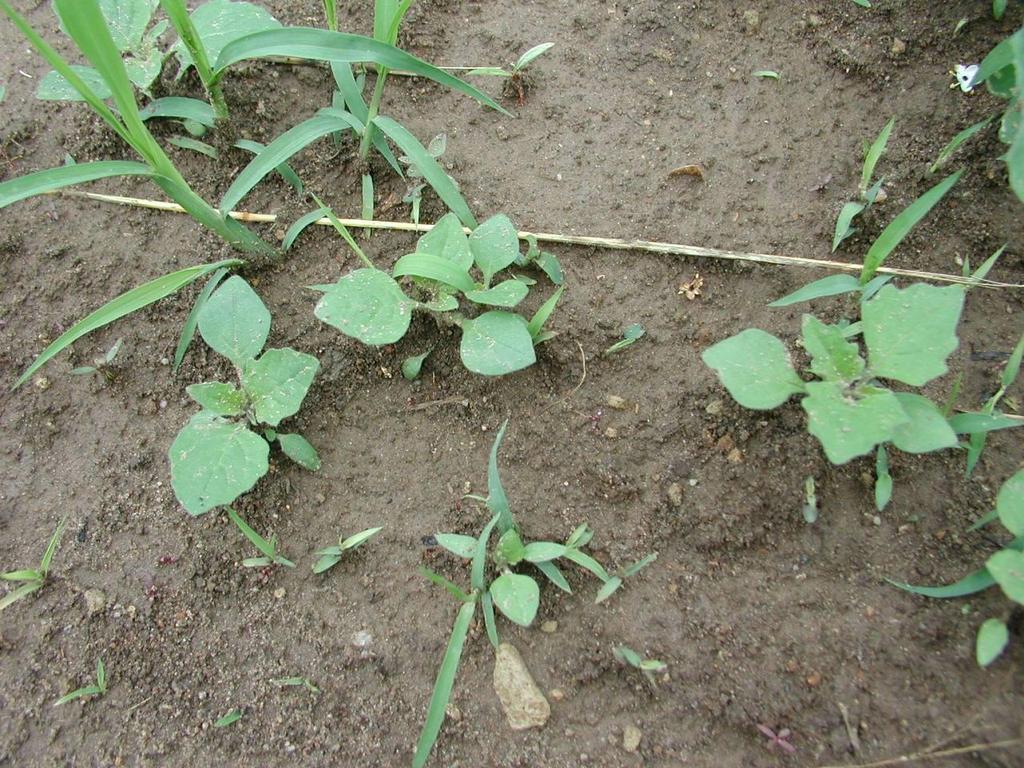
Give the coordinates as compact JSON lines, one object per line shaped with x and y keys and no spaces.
{"x":96,"y":689}
{"x":269,"y":548}
{"x":414,"y":195}
{"x":521,"y":63}
{"x":102,"y":365}
{"x":229,"y":719}
{"x":810,"y":500}
{"x":286,"y":682}
{"x":629,"y":337}
{"x":649,"y":667}
{"x":770,"y":74}
{"x":331,"y":556}
{"x":868,"y":193}
{"x":614,"y":582}
{"x":32,"y":579}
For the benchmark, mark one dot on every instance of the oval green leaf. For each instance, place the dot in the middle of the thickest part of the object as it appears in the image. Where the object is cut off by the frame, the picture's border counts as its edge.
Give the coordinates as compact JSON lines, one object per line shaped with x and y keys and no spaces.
{"x":367,"y":305}
{"x":219,"y":398}
{"x":850,"y":424}
{"x":1007,"y":568}
{"x":277,"y":383}
{"x":496,"y":343}
{"x":1010,"y":504}
{"x":992,"y":639}
{"x":754,"y":366}
{"x":235,"y":322}
{"x":927,"y":429}
{"x":495,"y":245}
{"x":506,"y":294}
{"x":516,"y":596}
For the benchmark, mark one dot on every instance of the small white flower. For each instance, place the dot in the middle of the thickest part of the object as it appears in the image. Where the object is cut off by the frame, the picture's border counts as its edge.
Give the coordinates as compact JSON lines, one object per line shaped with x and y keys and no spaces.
{"x":964,"y":75}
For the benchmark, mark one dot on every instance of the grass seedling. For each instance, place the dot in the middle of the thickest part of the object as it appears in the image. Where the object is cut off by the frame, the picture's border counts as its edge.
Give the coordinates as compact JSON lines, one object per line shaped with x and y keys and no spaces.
{"x":230,"y":718}
{"x":370,"y":305}
{"x":517,"y":82}
{"x":868,"y":193}
{"x":87,"y":28}
{"x":32,"y":578}
{"x":769,"y":74}
{"x":269,"y":548}
{"x":96,"y":689}
{"x":286,"y":682}
{"x":1005,"y":568}
{"x":976,"y":443}
{"x":649,"y":667}
{"x":216,"y":457}
{"x":629,"y":337}
{"x":102,"y":365}
{"x":495,"y":583}
{"x":810,"y":508}
{"x":331,"y":556}
{"x":414,"y":196}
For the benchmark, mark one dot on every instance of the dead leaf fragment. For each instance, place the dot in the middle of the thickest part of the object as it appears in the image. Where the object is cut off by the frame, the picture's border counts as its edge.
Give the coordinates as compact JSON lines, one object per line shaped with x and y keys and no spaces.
{"x":693,"y":169}
{"x":691,"y":288}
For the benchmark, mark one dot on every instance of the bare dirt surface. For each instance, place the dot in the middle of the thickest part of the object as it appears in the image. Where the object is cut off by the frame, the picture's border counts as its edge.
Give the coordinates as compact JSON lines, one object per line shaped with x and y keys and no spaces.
{"x":760,"y":617}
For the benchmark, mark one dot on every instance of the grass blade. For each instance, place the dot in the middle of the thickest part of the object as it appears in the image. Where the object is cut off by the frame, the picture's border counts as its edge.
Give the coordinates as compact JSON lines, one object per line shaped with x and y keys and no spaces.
{"x":23,"y":591}
{"x":975,"y":582}
{"x":554,"y":575}
{"x":181,"y":108}
{"x":480,"y":556}
{"x":487,"y":605}
{"x":540,"y":317}
{"x":41,"y":182}
{"x":300,"y":224}
{"x":497,"y":500}
{"x":873,"y":155}
{"x":284,"y":170}
{"x":353,"y":97}
{"x":188,"y":330}
{"x":956,"y":142}
{"x":443,"y":686}
{"x":257,"y":541}
{"x":128,"y":302}
{"x":845,"y":218}
{"x":292,"y":141}
{"x":429,"y":168}
{"x":187,"y":142}
{"x":367,"y":208}
{"x":833,"y":285}
{"x":51,"y":548}
{"x":899,"y":227}
{"x":1012,"y":369}
{"x":324,"y":45}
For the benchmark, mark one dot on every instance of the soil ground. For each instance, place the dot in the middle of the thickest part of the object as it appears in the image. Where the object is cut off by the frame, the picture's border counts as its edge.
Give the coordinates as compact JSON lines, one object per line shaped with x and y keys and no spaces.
{"x":760,"y":617}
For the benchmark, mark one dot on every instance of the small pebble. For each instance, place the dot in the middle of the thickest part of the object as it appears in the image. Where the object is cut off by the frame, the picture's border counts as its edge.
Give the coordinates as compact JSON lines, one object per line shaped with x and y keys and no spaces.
{"x":549,"y":626}
{"x":556,"y":694}
{"x":814,"y":679}
{"x":616,"y":402}
{"x":675,"y":495}
{"x":751,"y":21}
{"x":631,"y":738}
{"x":95,"y":601}
{"x":713,"y":408}
{"x":898,"y":47}
{"x":279,"y":593}
{"x":611,"y":433}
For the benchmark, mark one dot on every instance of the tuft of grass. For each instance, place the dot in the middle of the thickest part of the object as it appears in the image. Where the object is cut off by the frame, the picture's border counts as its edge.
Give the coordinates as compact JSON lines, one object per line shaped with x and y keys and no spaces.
{"x":98,"y":688}
{"x":32,"y":579}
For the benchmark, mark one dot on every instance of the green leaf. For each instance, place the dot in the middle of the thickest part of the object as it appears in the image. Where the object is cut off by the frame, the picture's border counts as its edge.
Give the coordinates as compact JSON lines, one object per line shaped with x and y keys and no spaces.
{"x":220,"y":23}
{"x":127,"y":21}
{"x":457,"y":544}
{"x":608,"y":589}
{"x":448,"y":241}
{"x":235,"y":322}
{"x":495,"y":245}
{"x":927,"y":429}
{"x":843,"y":222}
{"x":187,"y":142}
{"x":428,"y":167}
{"x":443,"y":685}
{"x":298,"y":449}
{"x":540,"y":317}
{"x":326,"y":559}
{"x":956,"y":142}
{"x":358,"y":539}
{"x":833,"y":358}
{"x":41,"y":182}
{"x":543,"y":551}
{"x":1007,"y":568}
{"x":490,"y":623}
{"x":833,"y":285}
{"x":277,"y":383}
{"x":992,"y":639}
{"x":899,"y":227}
{"x":998,"y":9}
{"x":516,"y":596}
{"x":266,"y":547}
{"x":55,"y":87}
{"x":586,"y":561}
{"x":1010,"y":504}
{"x":873,"y":155}
{"x":126,"y":303}
{"x":231,"y":717}
{"x":434,"y":268}
{"x":368,"y":305}
{"x":214,"y":461}
{"x":300,"y":224}
{"x":770,"y":74}
{"x":182,"y":108}
{"x":23,"y":591}
{"x":325,"y":45}
{"x":883,"y":480}
{"x":496,"y":343}
{"x":497,"y":499}
{"x":509,"y":549}
{"x":1012,"y":368}
{"x":51,"y":548}
{"x":411,"y":365}
{"x":284,"y":170}
{"x":969,"y":585}
{"x":506,"y":294}
{"x":978,"y":423}
{"x":218,"y":398}
{"x":524,"y":60}
{"x":639,"y":565}
{"x":850,"y":424}
{"x":188,"y":330}
{"x":281,"y":149}
{"x":554,"y":575}
{"x":352,"y":96}
{"x":755,"y":367}
{"x":909,"y":333}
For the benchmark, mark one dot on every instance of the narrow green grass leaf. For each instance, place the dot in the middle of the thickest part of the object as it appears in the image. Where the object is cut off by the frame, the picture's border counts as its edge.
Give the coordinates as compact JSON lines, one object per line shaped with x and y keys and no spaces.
{"x":429,"y":168}
{"x":128,"y":302}
{"x":41,"y":182}
{"x":51,"y":548}
{"x":874,"y":154}
{"x":352,"y":95}
{"x":188,"y":330}
{"x":1012,"y":369}
{"x":324,"y":45}
{"x":433,"y":267}
{"x":282,"y":148}
{"x":187,"y":142}
{"x":899,"y":227}
{"x":180,"y":108}
{"x":833,"y":285}
{"x":23,"y":591}
{"x":956,"y":142}
{"x":231,"y":717}
{"x":974,"y":582}
{"x":444,"y":684}
{"x":284,"y":170}
{"x":843,"y":221}
{"x":258,"y":541}
{"x":300,"y":224}
{"x":366,"y":211}
{"x":524,"y":61}
{"x":770,"y":74}
{"x":554,"y":575}
{"x":974,"y":423}
{"x":540,"y":317}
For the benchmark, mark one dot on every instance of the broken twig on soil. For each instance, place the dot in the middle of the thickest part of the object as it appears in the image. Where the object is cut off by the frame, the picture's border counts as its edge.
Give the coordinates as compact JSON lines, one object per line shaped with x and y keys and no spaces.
{"x":618,"y":244}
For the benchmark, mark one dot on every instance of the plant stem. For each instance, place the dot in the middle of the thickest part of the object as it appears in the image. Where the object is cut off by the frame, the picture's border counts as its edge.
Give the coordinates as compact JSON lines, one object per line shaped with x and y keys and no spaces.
{"x":378,"y":94}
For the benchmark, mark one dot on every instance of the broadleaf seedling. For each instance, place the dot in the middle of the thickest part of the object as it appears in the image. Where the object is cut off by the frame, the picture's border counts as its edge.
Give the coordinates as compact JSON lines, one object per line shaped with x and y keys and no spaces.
{"x":517,"y":83}
{"x":217,"y":456}
{"x":494,"y":583}
{"x":649,"y":667}
{"x":102,"y":365}
{"x":369,"y":305}
{"x":629,"y":337}
{"x":97,"y":688}
{"x":294,"y":682}
{"x":32,"y":579}
{"x":328,"y":557}
{"x":270,"y":555}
